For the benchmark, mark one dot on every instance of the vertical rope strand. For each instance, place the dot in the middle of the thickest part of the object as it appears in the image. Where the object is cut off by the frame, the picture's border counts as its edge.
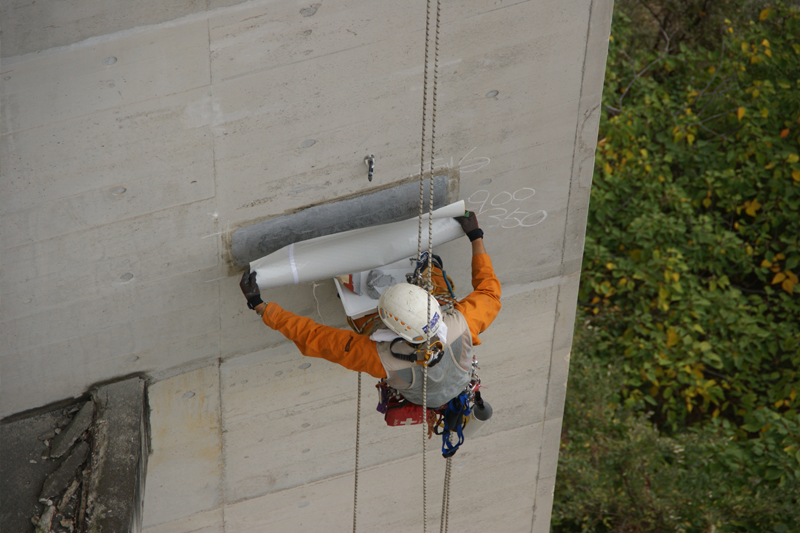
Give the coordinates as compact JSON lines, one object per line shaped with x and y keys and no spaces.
{"x":443,"y":523}
{"x":358,"y":435}
{"x":428,"y":281}
{"x":424,"y":117}
{"x":433,"y":132}
{"x":419,"y":255}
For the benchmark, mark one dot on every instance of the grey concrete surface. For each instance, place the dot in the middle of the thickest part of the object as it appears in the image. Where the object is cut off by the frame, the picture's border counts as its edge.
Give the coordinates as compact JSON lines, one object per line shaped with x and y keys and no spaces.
{"x":137,"y":137}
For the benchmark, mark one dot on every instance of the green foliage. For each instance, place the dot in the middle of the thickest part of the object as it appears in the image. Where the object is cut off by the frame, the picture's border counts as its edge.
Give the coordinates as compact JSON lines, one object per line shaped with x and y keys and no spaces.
{"x":618,"y":473}
{"x":689,"y":292}
{"x":694,"y":227}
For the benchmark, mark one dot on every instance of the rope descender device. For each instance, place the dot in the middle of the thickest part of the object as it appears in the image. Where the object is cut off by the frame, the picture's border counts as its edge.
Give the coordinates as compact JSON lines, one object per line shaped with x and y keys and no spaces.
{"x":433,"y":353}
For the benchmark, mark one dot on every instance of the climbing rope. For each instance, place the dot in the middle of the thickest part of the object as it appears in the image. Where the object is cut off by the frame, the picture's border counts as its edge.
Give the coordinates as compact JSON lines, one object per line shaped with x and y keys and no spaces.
{"x":428,"y":277}
{"x":446,"y":497}
{"x":428,"y":281}
{"x":358,"y":434}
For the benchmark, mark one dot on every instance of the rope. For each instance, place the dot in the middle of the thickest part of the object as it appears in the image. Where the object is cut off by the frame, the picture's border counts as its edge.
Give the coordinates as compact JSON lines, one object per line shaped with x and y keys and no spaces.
{"x":428,"y":281}
{"x":358,"y":435}
{"x":446,"y":497}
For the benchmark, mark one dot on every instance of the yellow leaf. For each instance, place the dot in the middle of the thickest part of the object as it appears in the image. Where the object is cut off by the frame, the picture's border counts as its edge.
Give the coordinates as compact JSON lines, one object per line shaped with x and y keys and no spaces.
{"x":787,"y":285}
{"x":744,"y":47}
{"x":712,"y":70}
{"x":715,"y":414}
{"x":796,"y":175}
{"x":792,"y":158}
{"x":770,"y":166}
{"x":793,"y":394}
{"x":610,"y":266}
{"x":764,"y":112}
{"x":675,"y":276}
{"x":768,"y":52}
{"x":730,"y":30}
{"x":792,"y":277}
{"x":607,"y":168}
{"x":764,"y":14}
{"x":766,"y":264}
{"x":706,"y":202}
{"x":780,"y":276}
{"x":690,"y":138}
{"x":611,"y":38}
{"x":779,"y":257}
{"x":672,"y":337}
{"x":688,"y":406}
{"x":752,"y":207}
{"x":765,"y":43}
{"x":595,"y":300}
{"x":756,"y":93}
{"x":740,"y":113}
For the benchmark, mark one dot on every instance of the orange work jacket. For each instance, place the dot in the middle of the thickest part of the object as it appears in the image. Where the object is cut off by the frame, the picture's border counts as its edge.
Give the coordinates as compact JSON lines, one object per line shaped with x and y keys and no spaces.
{"x":358,"y":352}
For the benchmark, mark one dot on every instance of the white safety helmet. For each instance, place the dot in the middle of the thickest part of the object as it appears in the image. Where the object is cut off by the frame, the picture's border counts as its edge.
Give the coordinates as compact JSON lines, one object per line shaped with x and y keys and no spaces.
{"x":404,"y":309}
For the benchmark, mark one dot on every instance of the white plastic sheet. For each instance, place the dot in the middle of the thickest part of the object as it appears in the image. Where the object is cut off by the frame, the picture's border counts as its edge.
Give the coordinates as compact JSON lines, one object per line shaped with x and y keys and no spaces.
{"x":354,"y":251}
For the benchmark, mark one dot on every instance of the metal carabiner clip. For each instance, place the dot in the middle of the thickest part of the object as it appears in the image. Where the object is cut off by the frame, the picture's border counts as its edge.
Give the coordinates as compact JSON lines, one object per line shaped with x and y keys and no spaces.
{"x":436,"y":348}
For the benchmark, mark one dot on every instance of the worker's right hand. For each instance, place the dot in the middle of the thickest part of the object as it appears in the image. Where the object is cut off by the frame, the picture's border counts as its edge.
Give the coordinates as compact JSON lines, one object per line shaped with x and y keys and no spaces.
{"x":250,"y":289}
{"x":468,"y":222}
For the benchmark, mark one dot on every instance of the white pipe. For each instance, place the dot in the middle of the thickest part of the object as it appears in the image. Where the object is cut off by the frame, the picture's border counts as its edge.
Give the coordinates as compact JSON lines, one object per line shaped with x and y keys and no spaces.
{"x":354,"y":251}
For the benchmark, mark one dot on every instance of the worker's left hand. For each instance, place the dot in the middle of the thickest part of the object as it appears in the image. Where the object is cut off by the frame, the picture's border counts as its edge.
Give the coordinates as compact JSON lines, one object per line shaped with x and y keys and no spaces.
{"x":250,"y":289}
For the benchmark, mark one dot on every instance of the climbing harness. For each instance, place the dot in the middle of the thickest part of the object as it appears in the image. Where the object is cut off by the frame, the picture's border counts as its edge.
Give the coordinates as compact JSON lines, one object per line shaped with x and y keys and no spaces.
{"x":455,"y":414}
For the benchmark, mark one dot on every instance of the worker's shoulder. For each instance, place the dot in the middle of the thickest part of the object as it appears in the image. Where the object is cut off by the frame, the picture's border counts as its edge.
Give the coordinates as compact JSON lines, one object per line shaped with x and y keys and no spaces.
{"x":456,"y":323}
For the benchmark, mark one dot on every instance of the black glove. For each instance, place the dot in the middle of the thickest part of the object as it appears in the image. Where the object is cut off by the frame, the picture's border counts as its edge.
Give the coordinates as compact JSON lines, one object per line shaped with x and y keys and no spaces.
{"x":469,"y":223}
{"x":250,"y":289}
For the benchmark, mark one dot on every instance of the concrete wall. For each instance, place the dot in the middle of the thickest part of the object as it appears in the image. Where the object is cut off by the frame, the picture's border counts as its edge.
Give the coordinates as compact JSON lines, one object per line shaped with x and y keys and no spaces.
{"x":137,"y":137}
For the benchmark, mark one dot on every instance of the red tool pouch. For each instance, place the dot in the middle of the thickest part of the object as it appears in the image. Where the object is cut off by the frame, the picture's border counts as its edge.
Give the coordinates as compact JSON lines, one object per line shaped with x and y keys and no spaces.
{"x":403,"y":413}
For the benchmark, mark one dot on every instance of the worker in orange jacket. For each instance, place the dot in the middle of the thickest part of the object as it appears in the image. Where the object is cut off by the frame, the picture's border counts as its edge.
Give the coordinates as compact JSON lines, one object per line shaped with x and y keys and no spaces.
{"x":409,"y":315}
